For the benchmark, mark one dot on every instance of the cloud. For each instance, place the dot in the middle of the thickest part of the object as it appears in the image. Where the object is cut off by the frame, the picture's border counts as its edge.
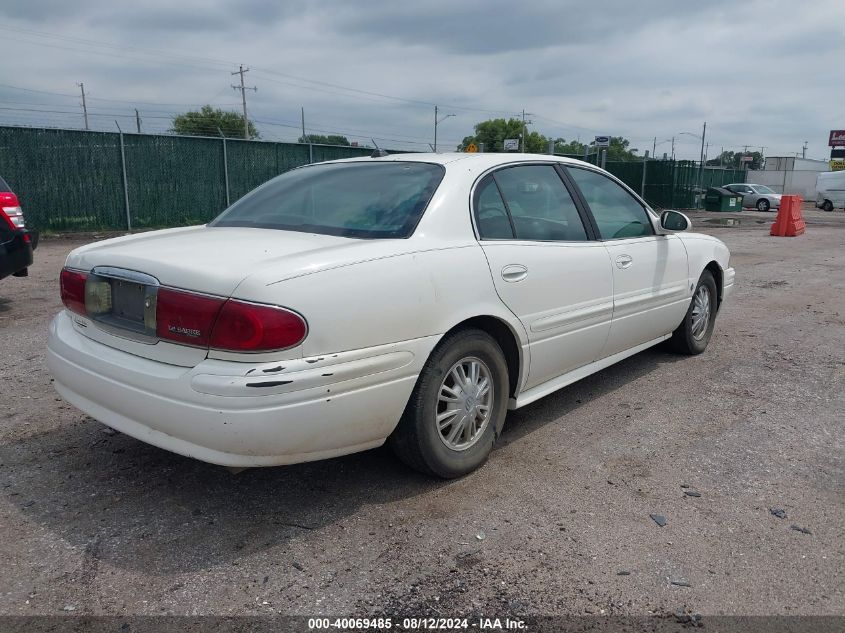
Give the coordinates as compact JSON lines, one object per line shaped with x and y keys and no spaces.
{"x":754,"y":71}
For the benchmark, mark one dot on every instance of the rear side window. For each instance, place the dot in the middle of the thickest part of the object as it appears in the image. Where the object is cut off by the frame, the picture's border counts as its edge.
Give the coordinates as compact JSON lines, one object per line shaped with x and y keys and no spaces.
{"x":491,"y":216}
{"x":530,"y":202}
{"x":617,"y":213}
{"x":363,"y":200}
{"x":4,"y":187}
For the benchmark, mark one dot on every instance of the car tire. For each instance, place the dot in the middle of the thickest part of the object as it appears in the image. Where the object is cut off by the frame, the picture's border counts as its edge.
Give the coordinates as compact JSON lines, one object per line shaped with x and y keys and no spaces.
{"x":827,"y":206}
{"x":763,"y":205}
{"x":692,"y":335}
{"x":423,"y":438}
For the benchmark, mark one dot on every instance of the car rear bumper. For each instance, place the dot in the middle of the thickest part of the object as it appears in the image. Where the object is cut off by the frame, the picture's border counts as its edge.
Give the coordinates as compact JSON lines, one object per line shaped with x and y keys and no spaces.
{"x":240,"y":414}
{"x":16,"y":252}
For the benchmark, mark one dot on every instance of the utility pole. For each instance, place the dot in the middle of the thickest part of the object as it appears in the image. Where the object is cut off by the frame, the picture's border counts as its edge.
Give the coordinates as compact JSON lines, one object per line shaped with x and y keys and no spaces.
{"x":137,"y":120}
{"x":673,"y":148}
{"x":84,"y":106}
{"x":701,"y":160}
{"x":243,"y":90}
{"x":435,"y":130}
{"x":524,"y":130}
{"x":654,"y":147}
{"x":804,"y":150}
{"x":304,"y":138}
{"x":437,"y":121}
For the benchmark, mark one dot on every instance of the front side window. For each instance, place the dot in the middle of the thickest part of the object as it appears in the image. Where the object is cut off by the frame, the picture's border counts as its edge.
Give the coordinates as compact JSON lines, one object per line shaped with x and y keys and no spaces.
{"x":530,"y":202}
{"x":617,"y":213}
{"x":362,"y":200}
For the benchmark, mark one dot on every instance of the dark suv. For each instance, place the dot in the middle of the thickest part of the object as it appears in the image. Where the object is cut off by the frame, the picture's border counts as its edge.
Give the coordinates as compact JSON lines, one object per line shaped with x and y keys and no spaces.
{"x":16,"y":242}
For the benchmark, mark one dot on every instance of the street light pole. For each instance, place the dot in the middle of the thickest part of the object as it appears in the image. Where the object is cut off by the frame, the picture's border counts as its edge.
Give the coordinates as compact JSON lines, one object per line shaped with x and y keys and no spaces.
{"x":437,"y":121}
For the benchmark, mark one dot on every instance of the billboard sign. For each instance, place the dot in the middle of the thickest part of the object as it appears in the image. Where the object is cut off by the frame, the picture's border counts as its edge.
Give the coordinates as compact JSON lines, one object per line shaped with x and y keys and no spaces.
{"x":837,"y":138}
{"x":511,"y":145}
{"x":602,"y":141}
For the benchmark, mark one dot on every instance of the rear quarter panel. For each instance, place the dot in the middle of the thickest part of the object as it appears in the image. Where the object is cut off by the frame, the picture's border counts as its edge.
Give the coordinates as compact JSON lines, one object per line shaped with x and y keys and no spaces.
{"x":390,"y":299}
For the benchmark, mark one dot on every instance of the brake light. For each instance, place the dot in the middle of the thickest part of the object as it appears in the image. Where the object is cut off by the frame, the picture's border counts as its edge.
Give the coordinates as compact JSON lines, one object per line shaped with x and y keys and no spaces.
{"x":185,"y":317}
{"x":250,"y":327}
{"x":194,"y":319}
{"x":73,"y":290}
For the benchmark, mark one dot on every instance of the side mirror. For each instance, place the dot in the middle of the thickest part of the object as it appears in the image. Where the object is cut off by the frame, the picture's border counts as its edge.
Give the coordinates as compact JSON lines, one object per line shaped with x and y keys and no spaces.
{"x":672,"y":221}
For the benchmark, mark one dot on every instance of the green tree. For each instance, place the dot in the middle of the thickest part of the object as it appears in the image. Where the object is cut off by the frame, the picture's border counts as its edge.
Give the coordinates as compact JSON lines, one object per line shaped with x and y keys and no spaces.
{"x":732,"y":160}
{"x":331,"y":139}
{"x":207,"y":121}
{"x":572,"y":147}
{"x":620,"y":149}
{"x":494,"y":132}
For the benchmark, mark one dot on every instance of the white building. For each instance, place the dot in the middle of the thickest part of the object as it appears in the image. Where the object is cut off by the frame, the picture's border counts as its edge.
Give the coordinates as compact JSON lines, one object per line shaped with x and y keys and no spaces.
{"x":790,"y":175}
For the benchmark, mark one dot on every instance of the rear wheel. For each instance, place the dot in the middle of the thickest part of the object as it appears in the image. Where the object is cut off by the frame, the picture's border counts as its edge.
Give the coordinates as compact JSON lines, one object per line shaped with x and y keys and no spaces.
{"x":693,"y":334}
{"x":763,"y":204}
{"x":827,"y":206}
{"x":457,"y":407}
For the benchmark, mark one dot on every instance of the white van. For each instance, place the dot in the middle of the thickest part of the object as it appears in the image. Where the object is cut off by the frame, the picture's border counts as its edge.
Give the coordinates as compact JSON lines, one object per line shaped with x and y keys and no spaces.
{"x":830,"y":190}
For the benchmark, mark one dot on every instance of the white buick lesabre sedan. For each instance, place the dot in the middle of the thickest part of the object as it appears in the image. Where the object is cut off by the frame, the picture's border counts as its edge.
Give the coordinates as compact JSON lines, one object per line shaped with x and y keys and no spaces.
{"x":412,"y":299}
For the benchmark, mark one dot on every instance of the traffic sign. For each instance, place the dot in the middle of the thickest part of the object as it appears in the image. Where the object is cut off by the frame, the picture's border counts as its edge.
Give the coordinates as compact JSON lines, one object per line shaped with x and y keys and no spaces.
{"x":471,"y":148}
{"x":837,"y":165}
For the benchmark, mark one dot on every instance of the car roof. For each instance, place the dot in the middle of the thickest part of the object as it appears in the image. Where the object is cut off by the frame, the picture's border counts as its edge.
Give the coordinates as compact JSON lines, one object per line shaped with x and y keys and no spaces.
{"x":476,"y":160}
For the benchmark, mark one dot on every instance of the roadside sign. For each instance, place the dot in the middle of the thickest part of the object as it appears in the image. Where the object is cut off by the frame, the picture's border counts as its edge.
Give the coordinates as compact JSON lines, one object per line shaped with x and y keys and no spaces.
{"x":746,"y":159}
{"x":471,"y":148}
{"x":837,"y":165}
{"x":511,"y":145}
{"x":837,"y":138}
{"x":602,"y":141}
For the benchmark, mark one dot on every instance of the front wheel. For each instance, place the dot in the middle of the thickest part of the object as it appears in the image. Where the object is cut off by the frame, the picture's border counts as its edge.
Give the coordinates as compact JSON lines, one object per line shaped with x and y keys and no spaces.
{"x":763,"y":204}
{"x":457,"y":407}
{"x":827,"y":206}
{"x":693,"y":334}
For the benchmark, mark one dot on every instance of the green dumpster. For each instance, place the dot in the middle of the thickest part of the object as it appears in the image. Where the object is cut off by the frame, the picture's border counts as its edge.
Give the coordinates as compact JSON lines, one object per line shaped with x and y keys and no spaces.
{"x":721,"y":199}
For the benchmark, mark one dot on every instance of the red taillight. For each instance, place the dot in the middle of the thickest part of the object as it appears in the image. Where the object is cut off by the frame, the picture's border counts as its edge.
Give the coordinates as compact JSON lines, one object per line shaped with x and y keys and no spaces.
{"x":185,"y":317}
{"x":73,"y":290}
{"x":249,"y":327}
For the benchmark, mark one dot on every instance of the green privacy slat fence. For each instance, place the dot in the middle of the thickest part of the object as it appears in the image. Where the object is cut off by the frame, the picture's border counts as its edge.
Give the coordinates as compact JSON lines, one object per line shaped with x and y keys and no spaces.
{"x":72,"y":180}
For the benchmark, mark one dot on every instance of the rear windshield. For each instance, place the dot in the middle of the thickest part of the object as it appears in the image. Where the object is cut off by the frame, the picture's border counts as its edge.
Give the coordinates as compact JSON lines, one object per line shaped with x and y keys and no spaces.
{"x":3,"y":186}
{"x":363,"y":200}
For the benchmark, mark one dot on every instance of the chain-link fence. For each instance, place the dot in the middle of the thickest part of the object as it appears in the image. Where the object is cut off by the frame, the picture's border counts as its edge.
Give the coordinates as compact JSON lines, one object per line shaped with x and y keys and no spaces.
{"x":75,"y":180}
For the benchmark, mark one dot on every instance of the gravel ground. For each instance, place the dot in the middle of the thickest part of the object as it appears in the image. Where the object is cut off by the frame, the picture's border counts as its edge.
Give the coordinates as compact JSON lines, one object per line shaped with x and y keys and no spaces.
{"x":557,"y":522}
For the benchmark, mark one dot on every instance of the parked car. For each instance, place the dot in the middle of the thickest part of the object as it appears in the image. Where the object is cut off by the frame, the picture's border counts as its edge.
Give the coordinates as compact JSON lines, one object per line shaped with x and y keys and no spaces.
{"x":412,"y":299}
{"x":16,"y":242}
{"x":758,"y":196}
{"x":830,"y":190}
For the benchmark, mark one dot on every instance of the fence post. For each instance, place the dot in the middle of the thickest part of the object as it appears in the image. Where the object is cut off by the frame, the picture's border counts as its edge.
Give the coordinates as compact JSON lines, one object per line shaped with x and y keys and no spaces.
{"x":310,"y":153}
{"x":642,"y":187}
{"x":125,"y":183}
{"x":225,"y":165}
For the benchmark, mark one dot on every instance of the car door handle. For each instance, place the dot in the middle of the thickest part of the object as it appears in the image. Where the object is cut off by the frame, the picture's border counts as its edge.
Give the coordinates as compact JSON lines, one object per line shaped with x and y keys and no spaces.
{"x":623,"y":261}
{"x":514,"y":272}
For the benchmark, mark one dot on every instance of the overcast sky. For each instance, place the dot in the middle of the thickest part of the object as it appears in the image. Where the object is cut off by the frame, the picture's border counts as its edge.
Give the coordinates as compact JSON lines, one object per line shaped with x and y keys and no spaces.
{"x":761,"y":73}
